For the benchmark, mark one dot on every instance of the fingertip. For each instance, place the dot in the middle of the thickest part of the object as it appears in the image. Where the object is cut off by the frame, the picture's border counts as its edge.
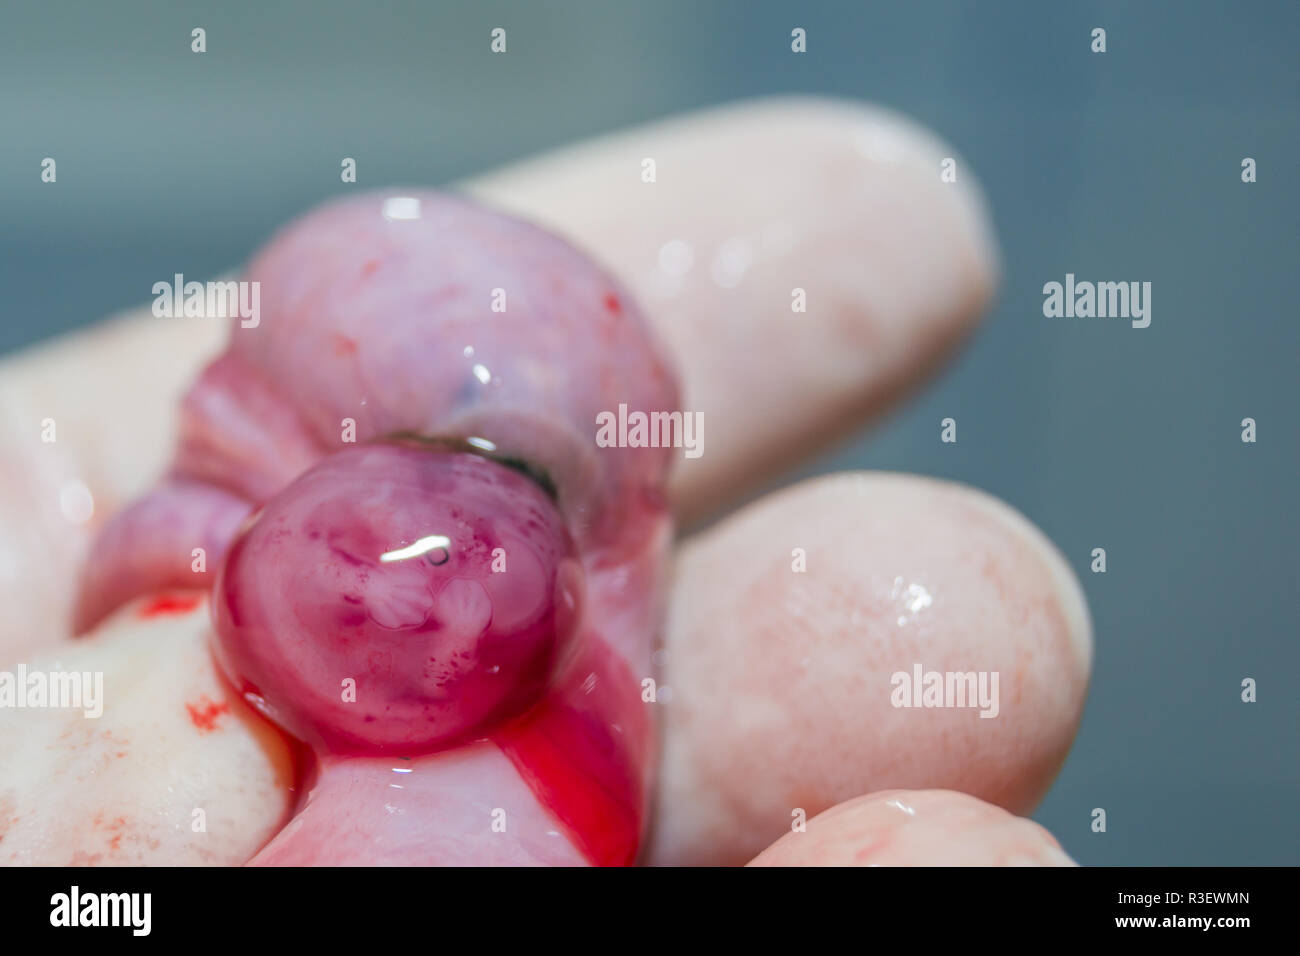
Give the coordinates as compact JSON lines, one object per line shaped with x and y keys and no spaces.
{"x":915,"y":828}
{"x":792,"y":622}
{"x":886,"y":139}
{"x":1065,"y":584}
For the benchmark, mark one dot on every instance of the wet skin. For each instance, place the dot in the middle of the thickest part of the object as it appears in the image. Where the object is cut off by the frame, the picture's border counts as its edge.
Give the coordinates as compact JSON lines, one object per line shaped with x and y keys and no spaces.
{"x":771,"y":673}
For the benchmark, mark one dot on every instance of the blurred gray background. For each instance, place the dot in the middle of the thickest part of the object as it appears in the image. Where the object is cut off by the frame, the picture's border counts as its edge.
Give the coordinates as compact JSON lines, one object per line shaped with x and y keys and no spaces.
{"x":1122,"y":166}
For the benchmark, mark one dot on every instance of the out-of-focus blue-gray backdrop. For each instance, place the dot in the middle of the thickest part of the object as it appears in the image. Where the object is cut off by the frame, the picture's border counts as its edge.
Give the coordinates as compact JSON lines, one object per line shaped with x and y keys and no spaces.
{"x":1117,"y":166}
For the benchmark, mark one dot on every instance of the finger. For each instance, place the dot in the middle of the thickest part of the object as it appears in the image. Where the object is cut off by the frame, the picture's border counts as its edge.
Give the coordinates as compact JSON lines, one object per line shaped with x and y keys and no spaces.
{"x":781,"y":681}
{"x":839,"y":199}
{"x":431,"y":811}
{"x":143,"y":433}
{"x":916,"y":828}
{"x":749,"y":203}
{"x":174,"y":770}
{"x":753,"y":207}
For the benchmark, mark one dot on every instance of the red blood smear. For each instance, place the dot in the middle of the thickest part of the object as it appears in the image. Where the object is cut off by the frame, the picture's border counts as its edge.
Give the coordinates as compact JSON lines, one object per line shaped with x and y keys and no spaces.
{"x":303,"y":768}
{"x":171,"y":604}
{"x":584,"y":750}
{"x":204,"y":714}
{"x":612,"y":304}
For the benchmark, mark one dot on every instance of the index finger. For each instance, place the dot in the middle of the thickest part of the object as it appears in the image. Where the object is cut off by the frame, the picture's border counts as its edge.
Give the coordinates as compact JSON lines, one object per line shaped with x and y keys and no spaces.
{"x":806,"y":260}
{"x":744,"y":216}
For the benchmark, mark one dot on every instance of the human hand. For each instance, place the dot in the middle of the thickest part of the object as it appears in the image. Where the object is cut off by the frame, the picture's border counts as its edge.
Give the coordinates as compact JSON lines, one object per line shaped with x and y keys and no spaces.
{"x":779,"y":678}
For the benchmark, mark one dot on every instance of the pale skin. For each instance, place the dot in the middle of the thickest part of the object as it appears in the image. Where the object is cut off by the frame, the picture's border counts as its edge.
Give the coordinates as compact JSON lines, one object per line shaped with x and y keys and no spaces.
{"x":780,"y":676}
